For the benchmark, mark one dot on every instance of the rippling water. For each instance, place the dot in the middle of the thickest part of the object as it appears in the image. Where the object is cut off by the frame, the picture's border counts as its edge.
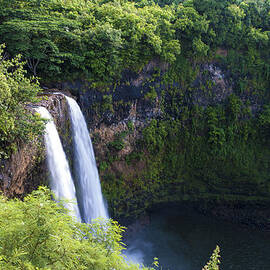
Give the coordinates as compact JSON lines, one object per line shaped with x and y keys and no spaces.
{"x":182,"y":239}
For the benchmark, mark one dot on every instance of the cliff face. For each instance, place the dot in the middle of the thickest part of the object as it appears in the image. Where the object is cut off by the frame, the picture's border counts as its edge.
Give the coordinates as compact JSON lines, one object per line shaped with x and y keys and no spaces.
{"x":152,"y":140}
{"x":121,"y":112}
{"x":158,"y":139}
{"x":26,"y":169}
{"x":136,"y":96}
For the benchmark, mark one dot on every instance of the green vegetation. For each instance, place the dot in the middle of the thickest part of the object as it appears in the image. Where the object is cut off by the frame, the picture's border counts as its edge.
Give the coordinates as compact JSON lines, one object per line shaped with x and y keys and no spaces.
{"x":96,"y":40}
{"x":16,"y":91}
{"x":216,"y":150}
{"x":118,"y":143}
{"x":38,"y":233}
{"x":86,"y":39}
{"x":220,"y":152}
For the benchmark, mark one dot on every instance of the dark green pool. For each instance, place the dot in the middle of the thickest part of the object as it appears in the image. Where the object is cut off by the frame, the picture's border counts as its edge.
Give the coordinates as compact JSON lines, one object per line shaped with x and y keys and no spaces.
{"x":183,"y":239}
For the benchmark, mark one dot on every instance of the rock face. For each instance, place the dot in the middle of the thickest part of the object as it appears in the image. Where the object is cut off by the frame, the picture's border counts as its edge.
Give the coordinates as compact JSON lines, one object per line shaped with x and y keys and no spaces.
{"x":137,"y":95}
{"x":24,"y":171}
{"x":116,"y":114}
{"x":211,"y":74}
{"x":27,"y":169}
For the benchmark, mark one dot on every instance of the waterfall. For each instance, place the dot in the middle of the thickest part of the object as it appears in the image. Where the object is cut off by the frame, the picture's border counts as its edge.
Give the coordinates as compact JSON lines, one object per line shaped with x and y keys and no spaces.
{"x":88,"y":185}
{"x":61,"y":181}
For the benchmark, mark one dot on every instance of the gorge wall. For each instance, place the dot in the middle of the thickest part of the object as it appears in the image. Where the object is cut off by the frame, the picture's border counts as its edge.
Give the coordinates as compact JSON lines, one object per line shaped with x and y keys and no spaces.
{"x":162,"y":139}
{"x":159,"y":139}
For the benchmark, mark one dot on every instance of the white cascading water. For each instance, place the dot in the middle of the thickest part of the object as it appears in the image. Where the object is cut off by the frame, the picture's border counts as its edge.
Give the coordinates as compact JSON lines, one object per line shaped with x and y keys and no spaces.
{"x":88,"y":187}
{"x":61,"y":181}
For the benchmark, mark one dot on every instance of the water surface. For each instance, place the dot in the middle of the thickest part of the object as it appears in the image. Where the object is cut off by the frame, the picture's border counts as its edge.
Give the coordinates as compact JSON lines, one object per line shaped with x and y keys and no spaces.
{"x":183,"y":239}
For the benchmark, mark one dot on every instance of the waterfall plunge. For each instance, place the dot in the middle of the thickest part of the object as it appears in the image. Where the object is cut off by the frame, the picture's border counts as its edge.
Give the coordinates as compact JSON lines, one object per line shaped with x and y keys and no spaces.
{"x":88,"y":185}
{"x":61,"y":181}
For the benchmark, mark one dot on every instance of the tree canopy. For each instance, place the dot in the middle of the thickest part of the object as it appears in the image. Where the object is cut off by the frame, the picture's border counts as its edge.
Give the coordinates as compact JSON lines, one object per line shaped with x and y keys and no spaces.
{"x":96,"y":40}
{"x":16,"y":91}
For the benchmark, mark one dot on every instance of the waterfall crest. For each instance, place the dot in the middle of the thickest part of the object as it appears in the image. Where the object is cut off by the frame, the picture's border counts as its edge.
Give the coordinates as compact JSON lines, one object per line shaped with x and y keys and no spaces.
{"x":61,"y":181}
{"x":88,"y":187}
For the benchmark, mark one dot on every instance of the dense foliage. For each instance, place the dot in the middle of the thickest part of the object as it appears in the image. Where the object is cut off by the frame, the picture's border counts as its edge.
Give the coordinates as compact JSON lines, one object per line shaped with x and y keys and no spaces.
{"x":96,"y":40}
{"x":37,"y":233}
{"x":86,"y":39}
{"x":16,"y":90}
{"x":197,"y":151}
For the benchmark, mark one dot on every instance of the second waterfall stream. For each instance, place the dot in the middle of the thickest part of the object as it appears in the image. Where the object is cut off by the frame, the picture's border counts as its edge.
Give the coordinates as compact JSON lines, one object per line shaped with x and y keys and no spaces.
{"x":88,"y":188}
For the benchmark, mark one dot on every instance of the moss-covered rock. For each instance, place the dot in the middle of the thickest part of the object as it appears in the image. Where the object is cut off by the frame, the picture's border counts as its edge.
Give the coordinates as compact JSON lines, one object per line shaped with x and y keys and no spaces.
{"x":196,"y":140}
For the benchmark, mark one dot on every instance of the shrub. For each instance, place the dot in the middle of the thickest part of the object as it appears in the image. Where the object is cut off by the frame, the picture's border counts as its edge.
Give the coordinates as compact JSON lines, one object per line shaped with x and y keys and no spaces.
{"x":38,"y":233}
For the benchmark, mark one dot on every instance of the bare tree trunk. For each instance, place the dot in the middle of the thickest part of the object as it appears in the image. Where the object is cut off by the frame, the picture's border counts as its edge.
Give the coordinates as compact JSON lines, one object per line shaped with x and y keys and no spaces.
{"x":35,"y":67}
{"x":32,"y":65}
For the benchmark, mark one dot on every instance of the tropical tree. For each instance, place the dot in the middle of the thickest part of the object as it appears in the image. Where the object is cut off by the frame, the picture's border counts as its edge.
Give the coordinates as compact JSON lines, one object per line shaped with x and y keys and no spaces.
{"x":16,"y":91}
